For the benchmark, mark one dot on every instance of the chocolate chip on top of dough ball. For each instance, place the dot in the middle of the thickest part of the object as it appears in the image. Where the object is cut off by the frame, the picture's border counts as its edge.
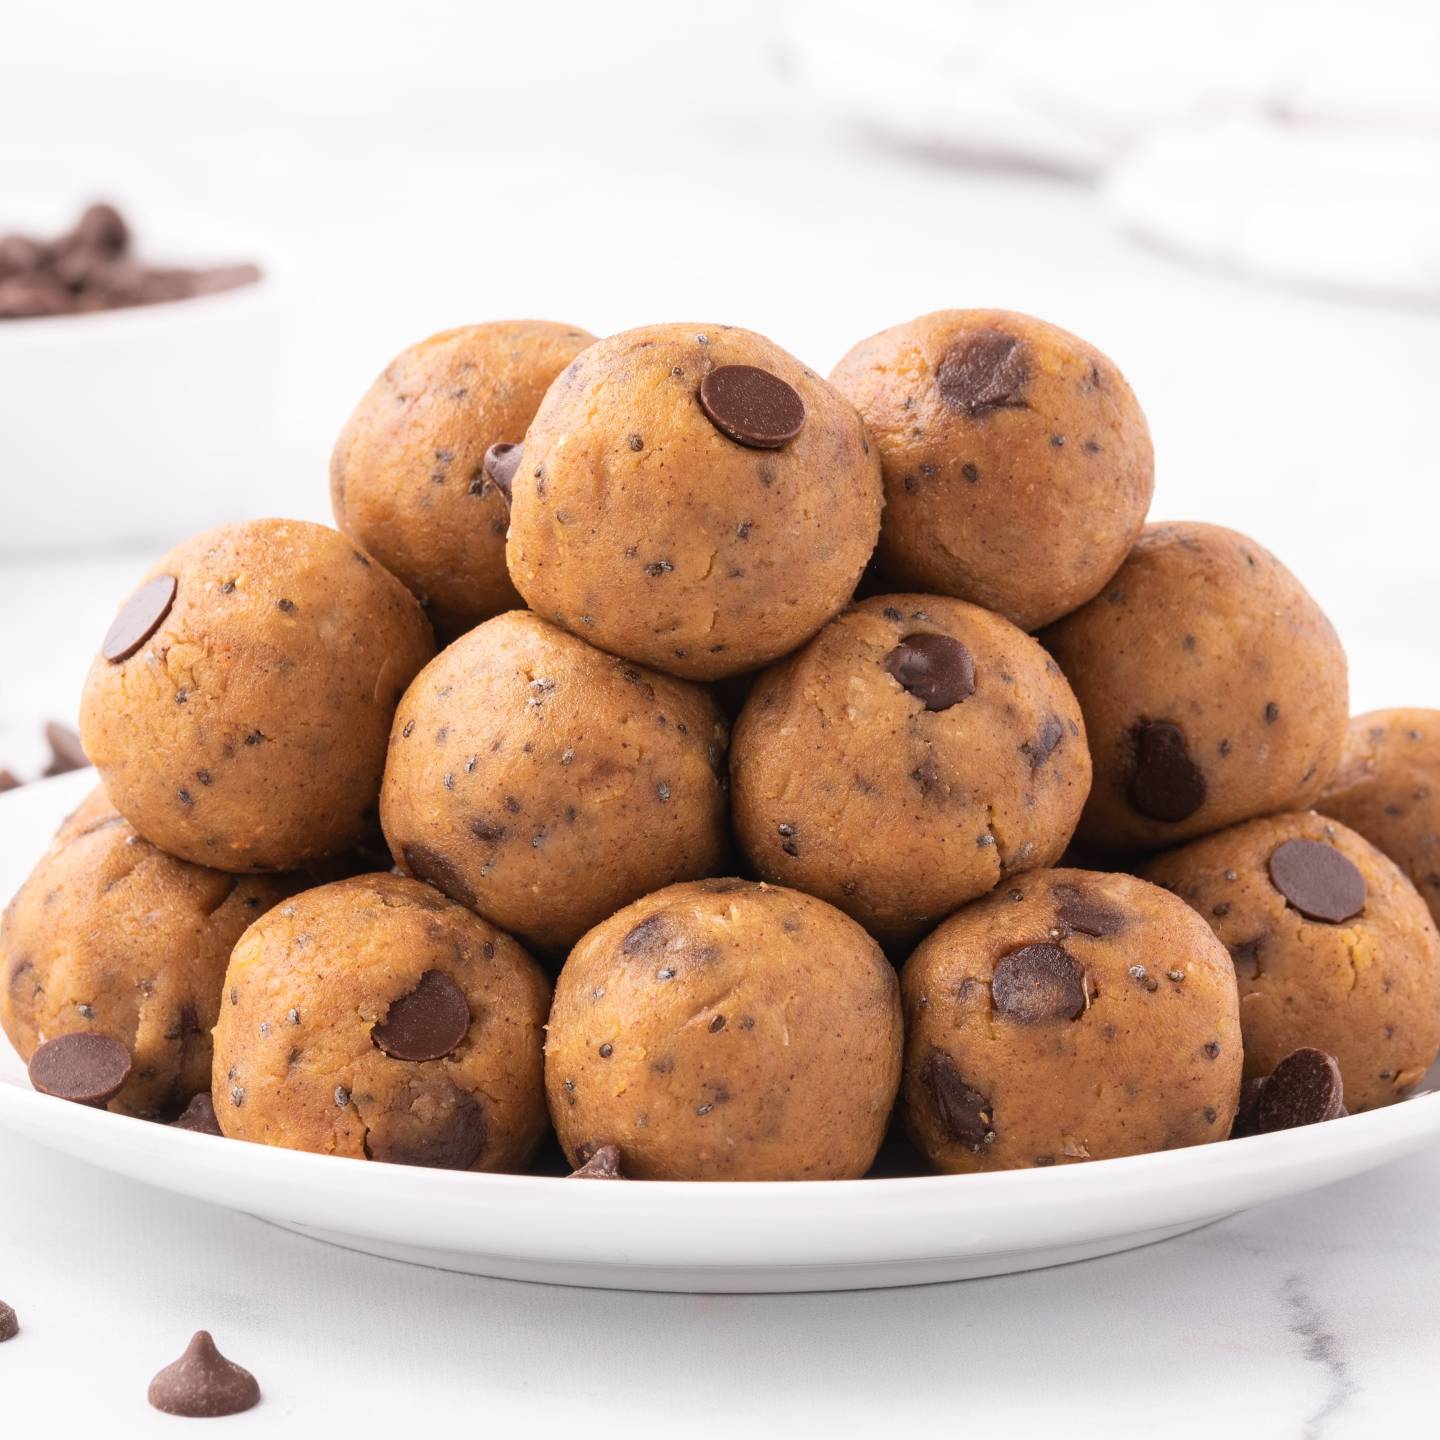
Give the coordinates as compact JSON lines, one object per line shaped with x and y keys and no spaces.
{"x":724,"y":1030}
{"x":1387,"y":787}
{"x":1213,"y":686}
{"x":1332,"y":946}
{"x":110,"y":937}
{"x":1069,"y":1016}
{"x":1017,"y":463}
{"x":409,"y":479}
{"x":917,"y":751}
{"x":239,"y":709}
{"x":374,"y":1018}
{"x":546,"y":783}
{"x":693,"y":498}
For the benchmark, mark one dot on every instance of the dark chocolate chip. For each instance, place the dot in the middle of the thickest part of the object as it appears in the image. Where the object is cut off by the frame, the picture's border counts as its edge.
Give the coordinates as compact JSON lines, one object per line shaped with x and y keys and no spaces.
{"x":9,"y":1322}
{"x":84,"y":1067}
{"x":501,"y":462}
{"x":9,"y":780}
{"x":139,"y":618}
{"x":456,"y":1142}
{"x":66,"y":752}
{"x":203,"y":1384}
{"x":1245,"y":1115}
{"x":984,"y":372}
{"x":1320,"y":882}
{"x":1304,"y":1089}
{"x":1085,"y":912}
{"x":199,"y":1116}
{"x":752,"y":406}
{"x":429,"y":865}
{"x":1044,"y":745}
{"x":1167,"y":784}
{"x":426,"y":1024}
{"x":1037,"y":983}
{"x":936,"y":669}
{"x":603,"y":1164}
{"x":966,"y":1115}
{"x":648,"y":935}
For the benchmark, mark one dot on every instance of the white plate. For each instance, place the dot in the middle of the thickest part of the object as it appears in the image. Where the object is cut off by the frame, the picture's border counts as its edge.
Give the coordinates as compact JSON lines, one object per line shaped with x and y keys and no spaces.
{"x":724,"y":1237}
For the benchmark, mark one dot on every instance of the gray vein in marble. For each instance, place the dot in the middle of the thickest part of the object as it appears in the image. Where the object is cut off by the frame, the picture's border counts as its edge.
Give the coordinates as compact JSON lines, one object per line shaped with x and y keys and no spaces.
{"x":1322,"y":1347}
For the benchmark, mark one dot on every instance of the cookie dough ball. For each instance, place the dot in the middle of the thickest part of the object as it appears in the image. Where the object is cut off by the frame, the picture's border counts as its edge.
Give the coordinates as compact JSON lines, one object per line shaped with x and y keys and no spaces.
{"x":693,"y":498}
{"x":1070,"y":1016}
{"x":1388,"y":788}
{"x":407,"y":479}
{"x":545,"y":783}
{"x":1332,"y":947}
{"x":1017,"y":462}
{"x":723,"y":1030}
{"x":110,"y":935}
{"x":376,"y":1019}
{"x":239,"y":707}
{"x":916,"y":752}
{"x":1213,"y":686}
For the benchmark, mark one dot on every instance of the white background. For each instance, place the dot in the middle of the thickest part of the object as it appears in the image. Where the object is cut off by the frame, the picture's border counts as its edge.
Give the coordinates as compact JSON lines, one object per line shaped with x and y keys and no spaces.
{"x":410,"y":167}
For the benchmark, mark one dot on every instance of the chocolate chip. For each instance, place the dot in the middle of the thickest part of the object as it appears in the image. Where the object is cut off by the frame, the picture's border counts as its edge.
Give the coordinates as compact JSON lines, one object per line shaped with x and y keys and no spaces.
{"x":1320,"y":882}
{"x":937,"y":669}
{"x":1037,"y":983}
{"x":1305,"y":1088}
{"x":649,"y":934}
{"x":984,"y":372}
{"x":603,"y":1164}
{"x":1044,"y":745}
{"x":9,"y":780}
{"x":456,"y":1142}
{"x":139,"y":618}
{"x":752,"y":406}
{"x":426,"y":1024}
{"x":1085,"y":912}
{"x":199,"y":1116}
{"x":66,"y":752}
{"x":84,"y":1067}
{"x":966,"y":1116}
{"x":203,"y":1384}
{"x":501,"y":462}
{"x":429,"y":865}
{"x":1167,"y":784}
{"x":9,"y":1322}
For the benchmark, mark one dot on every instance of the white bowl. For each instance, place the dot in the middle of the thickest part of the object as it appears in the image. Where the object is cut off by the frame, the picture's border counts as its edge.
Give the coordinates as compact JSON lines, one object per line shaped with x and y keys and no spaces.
{"x":143,"y":424}
{"x":822,"y":1235}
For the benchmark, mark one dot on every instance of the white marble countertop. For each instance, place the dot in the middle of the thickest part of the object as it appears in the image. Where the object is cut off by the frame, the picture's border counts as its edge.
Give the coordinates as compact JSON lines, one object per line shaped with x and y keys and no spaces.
{"x":1309,"y":424}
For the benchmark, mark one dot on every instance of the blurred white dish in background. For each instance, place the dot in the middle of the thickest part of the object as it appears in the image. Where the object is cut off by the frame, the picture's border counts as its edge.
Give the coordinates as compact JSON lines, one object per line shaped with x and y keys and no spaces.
{"x":723,"y":1237}
{"x":143,"y":424}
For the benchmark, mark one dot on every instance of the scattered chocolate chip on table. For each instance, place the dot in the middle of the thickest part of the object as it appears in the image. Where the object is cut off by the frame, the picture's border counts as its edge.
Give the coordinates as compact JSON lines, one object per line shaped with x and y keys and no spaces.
{"x":9,"y":1322}
{"x":203,"y":1384}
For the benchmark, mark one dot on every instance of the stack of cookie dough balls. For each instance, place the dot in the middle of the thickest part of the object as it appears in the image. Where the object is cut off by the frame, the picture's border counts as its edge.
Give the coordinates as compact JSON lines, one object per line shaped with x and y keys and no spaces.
{"x":1069,"y":1016}
{"x":111,"y":936}
{"x":694,"y":499}
{"x":239,"y":710}
{"x":724,"y":1030}
{"x":1018,"y":466}
{"x":409,"y":480}
{"x":918,"y":750}
{"x":376,"y":1019}
{"x":1332,"y":948}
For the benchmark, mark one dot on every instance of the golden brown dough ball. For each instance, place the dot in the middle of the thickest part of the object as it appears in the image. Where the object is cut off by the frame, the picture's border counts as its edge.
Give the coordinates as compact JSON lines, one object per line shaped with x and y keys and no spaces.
{"x":545,"y":783}
{"x":1017,"y":462}
{"x":374,"y":1018}
{"x":1069,"y":1016}
{"x":1213,"y":686}
{"x":723,"y":1030}
{"x":693,"y":498}
{"x":1332,"y":946}
{"x":240,"y":705}
{"x":407,"y":479}
{"x":915,"y":753}
{"x":110,"y":935}
{"x":1388,"y":789}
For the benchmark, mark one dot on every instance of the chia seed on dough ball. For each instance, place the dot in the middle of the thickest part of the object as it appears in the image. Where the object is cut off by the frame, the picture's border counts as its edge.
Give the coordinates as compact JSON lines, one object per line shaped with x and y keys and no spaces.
{"x":641,"y":523}
{"x":242,"y":723}
{"x":1018,"y":465}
